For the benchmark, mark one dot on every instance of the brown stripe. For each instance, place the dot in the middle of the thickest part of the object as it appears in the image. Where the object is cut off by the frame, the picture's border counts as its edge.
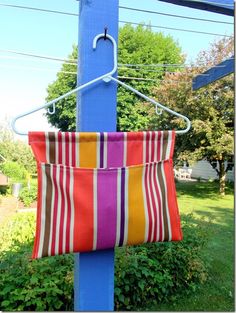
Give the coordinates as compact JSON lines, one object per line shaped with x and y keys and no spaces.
{"x":162,"y":187}
{"x":51,"y":138}
{"x":47,"y":210}
{"x":164,"y":144}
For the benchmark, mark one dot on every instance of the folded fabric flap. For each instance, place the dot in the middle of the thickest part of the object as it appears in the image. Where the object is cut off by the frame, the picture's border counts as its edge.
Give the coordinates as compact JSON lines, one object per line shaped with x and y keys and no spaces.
{"x":102,"y":150}
{"x":84,"y":209}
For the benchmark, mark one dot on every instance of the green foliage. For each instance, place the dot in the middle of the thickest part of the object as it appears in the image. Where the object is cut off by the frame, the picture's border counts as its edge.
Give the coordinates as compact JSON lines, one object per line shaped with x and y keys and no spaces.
{"x":158,"y":272}
{"x":136,"y":46}
{"x":15,"y":171}
{"x":28,"y":196}
{"x":16,"y":150}
{"x":31,"y":285}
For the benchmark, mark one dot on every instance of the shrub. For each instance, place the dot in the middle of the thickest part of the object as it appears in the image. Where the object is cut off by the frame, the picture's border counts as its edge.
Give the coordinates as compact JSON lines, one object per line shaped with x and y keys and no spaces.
{"x":158,"y":272}
{"x":28,"y":196}
{"x":31,"y":285}
{"x":15,"y":171}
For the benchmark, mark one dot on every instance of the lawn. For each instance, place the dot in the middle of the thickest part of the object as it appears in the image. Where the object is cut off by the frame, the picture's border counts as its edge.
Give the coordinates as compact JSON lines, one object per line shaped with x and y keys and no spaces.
{"x":53,"y":277}
{"x":203,"y":201}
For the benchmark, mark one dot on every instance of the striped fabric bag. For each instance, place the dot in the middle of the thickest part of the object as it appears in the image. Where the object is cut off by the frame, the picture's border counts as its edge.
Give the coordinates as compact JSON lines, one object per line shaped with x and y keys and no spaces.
{"x":101,"y":190}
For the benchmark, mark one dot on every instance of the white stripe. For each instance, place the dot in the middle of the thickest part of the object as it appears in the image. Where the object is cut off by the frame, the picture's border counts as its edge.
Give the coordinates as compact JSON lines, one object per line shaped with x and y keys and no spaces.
{"x":95,"y":209}
{"x":47,"y":147}
{"x":145,"y":205}
{"x":105,"y":151}
{"x":118,"y":206}
{"x":169,"y":141}
{"x":58,"y":210}
{"x":77,"y":149}
{"x":166,"y":200}
{"x":63,"y":148}
{"x":126,"y":217}
{"x":43,"y":212}
{"x":155,"y":147}
{"x":98,"y":150}
{"x":144,"y":147}
{"x":125,"y":150}
{"x":65,"y":212}
{"x":155,"y":207}
{"x":161,"y":207}
{"x":150,"y":147}
{"x":52,"y":212}
{"x":150,"y":198}
{"x":72,"y":222}
{"x":70,"y":149}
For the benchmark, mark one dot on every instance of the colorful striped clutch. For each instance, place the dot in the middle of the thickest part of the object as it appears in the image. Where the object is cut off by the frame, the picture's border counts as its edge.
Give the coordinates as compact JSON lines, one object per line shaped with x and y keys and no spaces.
{"x":101,"y":190}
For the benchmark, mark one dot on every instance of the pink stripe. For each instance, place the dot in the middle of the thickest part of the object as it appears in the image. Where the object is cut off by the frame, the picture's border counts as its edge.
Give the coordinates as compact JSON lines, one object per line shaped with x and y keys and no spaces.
{"x":59,"y":148}
{"x":115,"y":149}
{"x":106,"y":208}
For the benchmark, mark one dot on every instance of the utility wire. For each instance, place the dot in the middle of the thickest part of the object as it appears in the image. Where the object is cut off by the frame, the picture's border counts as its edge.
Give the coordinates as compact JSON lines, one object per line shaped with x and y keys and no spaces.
{"x":174,"y":15}
{"x":178,"y":29}
{"x":75,"y":73}
{"x":74,"y":14}
{"x":74,"y":62}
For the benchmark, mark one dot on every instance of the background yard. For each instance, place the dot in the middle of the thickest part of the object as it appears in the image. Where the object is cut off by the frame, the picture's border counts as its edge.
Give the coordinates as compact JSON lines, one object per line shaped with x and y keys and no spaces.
{"x":47,"y":284}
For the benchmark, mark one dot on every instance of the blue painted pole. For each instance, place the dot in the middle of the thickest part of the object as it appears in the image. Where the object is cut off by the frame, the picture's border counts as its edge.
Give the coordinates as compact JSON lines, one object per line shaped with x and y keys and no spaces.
{"x":96,"y":111}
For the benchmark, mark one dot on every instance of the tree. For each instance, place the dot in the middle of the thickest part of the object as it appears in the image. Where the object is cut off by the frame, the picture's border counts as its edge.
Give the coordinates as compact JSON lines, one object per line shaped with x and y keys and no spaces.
{"x":210,"y":110}
{"x":17,"y":151}
{"x":136,"y":46}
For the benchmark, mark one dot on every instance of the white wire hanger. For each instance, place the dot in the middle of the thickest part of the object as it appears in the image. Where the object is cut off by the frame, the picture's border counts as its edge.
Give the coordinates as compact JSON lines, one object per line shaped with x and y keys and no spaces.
{"x":105,"y":77}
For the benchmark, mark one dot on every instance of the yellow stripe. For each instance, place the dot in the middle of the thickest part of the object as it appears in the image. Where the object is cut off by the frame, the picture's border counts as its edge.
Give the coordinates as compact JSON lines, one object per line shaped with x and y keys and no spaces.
{"x":136,"y":224}
{"x":87,"y":150}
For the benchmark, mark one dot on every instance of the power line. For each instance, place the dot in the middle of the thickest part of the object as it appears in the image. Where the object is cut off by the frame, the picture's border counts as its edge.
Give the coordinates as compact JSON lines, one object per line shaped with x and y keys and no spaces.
{"x":74,"y":14}
{"x":74,"y":62}
{"x":178,"y":29}
{"x":174,"y":15}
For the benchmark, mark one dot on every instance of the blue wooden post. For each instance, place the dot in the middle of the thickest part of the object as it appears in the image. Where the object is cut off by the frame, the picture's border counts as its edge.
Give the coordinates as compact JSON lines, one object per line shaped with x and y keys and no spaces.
{"x":96,"y":111}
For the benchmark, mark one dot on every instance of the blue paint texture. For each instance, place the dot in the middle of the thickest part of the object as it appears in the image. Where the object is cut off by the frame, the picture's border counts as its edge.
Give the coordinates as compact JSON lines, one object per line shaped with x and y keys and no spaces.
{"x":96,"y":111}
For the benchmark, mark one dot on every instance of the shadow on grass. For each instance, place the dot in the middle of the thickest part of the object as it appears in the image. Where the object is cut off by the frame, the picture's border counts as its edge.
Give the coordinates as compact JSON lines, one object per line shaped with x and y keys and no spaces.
{"x":202,"y":190}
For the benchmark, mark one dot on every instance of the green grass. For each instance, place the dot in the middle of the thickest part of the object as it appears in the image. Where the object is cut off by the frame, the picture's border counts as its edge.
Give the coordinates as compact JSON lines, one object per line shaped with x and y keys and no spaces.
{"x":205,"y":203}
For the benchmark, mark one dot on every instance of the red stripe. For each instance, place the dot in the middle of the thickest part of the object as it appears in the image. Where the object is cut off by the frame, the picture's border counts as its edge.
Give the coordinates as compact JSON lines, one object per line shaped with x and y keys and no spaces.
{"x":152,"y":145}
{"x":172,"y":201}
{"x":59,"y":138}
{"x":67,"y":147}
{"x":68,"y":211}
{"x":172,"y":145}
{"x":147,"y":147}
{"x":134,"y":148}
{"x":39,"y":209}
{"x":159,"y":146}
{"x":60,"y":249}
{"x":55,"y":207}
{"x":73,"y":148}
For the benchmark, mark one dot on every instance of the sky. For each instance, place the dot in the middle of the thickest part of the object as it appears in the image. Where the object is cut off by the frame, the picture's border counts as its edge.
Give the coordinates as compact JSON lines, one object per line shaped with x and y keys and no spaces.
{"x":24,"y":80}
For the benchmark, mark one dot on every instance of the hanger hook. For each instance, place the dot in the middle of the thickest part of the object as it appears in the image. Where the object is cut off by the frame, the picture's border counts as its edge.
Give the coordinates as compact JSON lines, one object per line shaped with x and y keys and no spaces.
{"x":53,"y":109}
{"x":106,"y":36}
{"x":158,"y":110}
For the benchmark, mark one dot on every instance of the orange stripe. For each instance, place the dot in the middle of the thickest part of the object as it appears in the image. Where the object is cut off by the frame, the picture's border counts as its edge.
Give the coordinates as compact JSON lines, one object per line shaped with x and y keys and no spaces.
{"x":83,"y":216}
{"x":172,"y":201}
{"x":87,"y":150}
{"x":134,"y":148}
